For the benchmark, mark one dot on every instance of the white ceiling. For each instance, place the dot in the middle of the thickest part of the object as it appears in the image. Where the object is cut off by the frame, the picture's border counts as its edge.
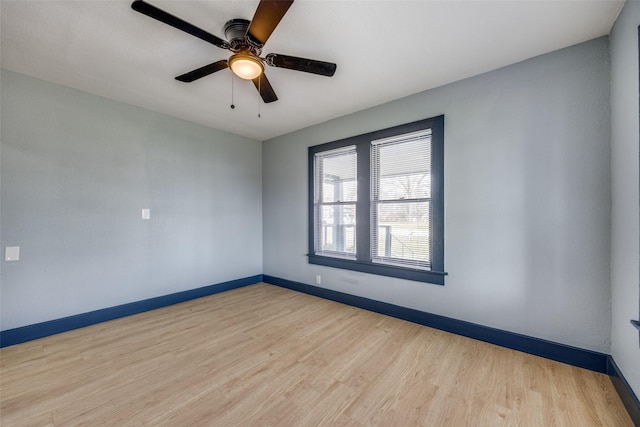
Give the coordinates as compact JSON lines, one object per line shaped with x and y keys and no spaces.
{"x":385,"y":50}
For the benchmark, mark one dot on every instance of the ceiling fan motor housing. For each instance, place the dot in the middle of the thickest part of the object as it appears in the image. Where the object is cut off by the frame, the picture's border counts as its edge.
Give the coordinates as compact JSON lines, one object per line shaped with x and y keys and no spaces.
{"x":235,"y":31}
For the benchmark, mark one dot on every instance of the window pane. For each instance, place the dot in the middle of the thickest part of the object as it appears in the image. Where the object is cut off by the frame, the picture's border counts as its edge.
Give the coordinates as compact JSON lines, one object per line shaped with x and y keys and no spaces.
{"x":336,"y":229}
{"x":401,"y":234}
{"x":337,"y":173}
{"x":336,"y":194}
{"x":400,"y":200}
{"x":410,"y":186}
{"x":402,"y":167}
{"x":337,"y":190}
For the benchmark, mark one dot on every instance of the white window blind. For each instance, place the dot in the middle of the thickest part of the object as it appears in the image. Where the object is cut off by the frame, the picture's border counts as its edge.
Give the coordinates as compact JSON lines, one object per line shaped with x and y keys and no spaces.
{"x":335,"y":197}
{"x":401,"y":210}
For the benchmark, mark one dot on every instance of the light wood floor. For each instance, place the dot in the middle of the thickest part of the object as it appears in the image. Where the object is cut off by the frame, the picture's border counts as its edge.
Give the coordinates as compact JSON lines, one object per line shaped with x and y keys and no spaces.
{"x":263,"y":355}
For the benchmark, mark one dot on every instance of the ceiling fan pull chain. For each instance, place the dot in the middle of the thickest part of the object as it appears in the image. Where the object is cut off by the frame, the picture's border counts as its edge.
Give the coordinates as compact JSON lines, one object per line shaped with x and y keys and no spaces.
{"x":259,"y":91}
{"x":232,"y":104}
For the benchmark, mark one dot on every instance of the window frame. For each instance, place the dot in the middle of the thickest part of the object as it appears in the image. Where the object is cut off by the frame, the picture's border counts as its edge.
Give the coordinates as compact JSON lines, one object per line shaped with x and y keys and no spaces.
{"x":363,"y":262}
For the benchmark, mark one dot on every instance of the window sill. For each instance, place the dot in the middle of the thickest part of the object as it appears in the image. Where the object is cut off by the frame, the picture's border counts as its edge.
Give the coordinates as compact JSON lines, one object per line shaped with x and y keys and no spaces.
{"x":427,"y":276}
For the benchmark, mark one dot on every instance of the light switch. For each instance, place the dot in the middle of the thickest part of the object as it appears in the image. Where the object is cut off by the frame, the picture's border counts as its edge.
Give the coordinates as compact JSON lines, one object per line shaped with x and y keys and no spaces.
{"x":12,"y":253}
{"x":146,"y":213}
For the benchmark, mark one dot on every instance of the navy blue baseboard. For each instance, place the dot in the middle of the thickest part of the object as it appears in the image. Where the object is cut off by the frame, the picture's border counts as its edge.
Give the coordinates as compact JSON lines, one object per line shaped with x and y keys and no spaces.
{"x":551,"y":350}
{"x":628,"y":397}
{"x":40,"y":330}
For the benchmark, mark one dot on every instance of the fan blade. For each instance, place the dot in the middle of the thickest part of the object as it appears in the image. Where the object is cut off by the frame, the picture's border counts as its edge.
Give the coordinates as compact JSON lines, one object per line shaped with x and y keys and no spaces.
{"x":162,"y":16}
{"x":203,"y":71}
{"x":264,"y":87}
{"x":266,"y":19}
{"x":301,"y":64}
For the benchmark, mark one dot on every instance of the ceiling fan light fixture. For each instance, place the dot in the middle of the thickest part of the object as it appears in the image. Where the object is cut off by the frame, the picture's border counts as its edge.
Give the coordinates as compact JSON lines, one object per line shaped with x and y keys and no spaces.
{"x":246,"y":66}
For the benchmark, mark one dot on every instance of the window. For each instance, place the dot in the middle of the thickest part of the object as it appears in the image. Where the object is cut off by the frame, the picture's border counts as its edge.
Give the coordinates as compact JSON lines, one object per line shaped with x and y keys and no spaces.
{"x":376,"y":202}
{"x":335,"y":191}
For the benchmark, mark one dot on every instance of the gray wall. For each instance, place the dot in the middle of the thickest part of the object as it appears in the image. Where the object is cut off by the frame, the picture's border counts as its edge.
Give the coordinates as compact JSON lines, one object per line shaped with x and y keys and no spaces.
{"x":77,"y":169}
{"x":625,"y":236}
{"x":527,"y":199}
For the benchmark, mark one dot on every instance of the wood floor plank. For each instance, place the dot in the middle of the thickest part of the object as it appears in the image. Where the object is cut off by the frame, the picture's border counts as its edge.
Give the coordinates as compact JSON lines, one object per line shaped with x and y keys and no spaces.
{"x":263,"y":355}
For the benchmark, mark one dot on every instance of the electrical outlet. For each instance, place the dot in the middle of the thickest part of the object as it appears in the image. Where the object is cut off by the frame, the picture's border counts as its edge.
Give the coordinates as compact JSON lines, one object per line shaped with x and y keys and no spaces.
{"x":318,"y":279}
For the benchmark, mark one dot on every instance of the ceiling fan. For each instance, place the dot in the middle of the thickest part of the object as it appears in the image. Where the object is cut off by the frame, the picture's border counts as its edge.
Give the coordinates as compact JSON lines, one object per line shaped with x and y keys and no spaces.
{"x":246,"y":40}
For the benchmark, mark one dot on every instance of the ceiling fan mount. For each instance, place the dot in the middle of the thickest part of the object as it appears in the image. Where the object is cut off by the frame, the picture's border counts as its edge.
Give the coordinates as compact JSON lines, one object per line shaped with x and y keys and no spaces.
{"x":235,"y":30}
{"x":246,"y":40}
